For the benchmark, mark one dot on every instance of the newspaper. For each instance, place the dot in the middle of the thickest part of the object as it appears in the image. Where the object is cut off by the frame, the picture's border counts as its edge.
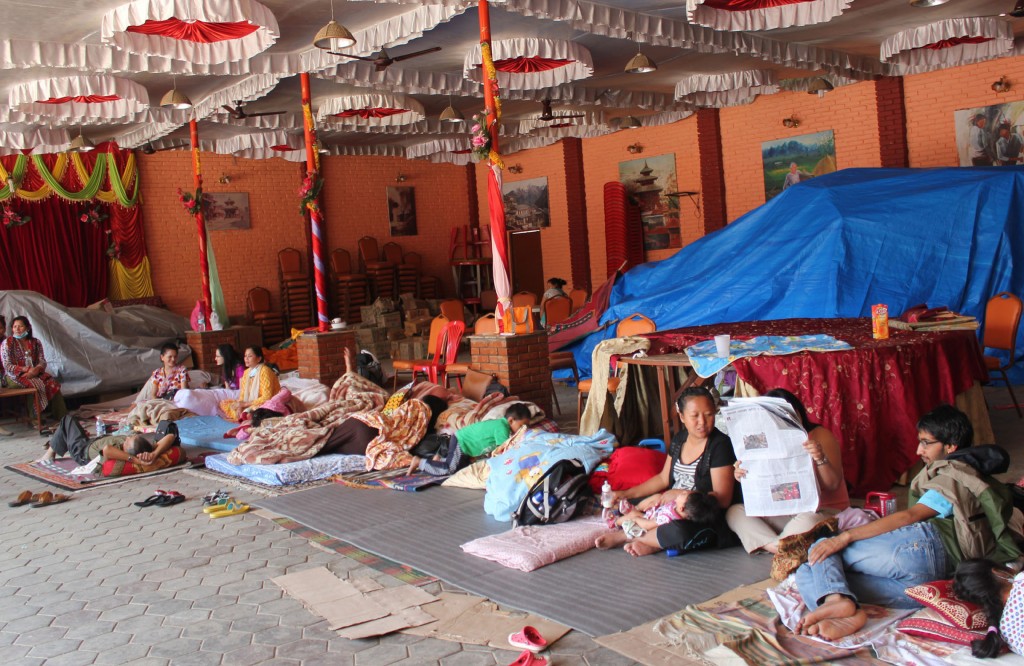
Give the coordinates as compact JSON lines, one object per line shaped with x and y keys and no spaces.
{"x":768,"y":438}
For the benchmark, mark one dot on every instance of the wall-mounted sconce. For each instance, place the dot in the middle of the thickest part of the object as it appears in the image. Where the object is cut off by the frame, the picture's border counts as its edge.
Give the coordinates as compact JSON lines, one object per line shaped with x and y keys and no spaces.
{"x":791,"y":122}
{"x":224,"y":179}
{"x":1001,"y":86}
{"x":515,"y":168}
{"x":635,"y":148}
{"x":401,"y":178}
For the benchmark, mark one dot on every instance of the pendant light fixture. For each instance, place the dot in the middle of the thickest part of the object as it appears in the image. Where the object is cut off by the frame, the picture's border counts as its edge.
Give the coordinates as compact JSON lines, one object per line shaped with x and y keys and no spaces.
{"x":819,"y":86}
{"x":80,"y":144}
{"x":173,"y":99}
{"x":451,"y":114}
{"x":640,"y":64}
{"x":333,"y":36}
{"x":631,"y":122}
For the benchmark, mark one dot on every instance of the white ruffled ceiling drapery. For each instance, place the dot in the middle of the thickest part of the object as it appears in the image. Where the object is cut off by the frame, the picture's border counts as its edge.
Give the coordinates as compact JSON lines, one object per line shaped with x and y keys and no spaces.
{"x":577,"y":64}
{"x":726,"y":89}
{"x":94,"y":97}
{"x":371,"y":109}
{"x":451,"y":151}
{"x":948,"y":43}
{"x":757,"y":15}
{"x":17,"y":139}
{"x":193,"y":30}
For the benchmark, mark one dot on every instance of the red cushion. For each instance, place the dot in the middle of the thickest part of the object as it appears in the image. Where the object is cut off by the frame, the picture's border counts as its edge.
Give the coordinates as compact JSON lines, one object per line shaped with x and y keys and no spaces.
{"x":125,"y":468}
{"x":632,"y":465}
{"x":938,"y":631}
{"x":938,"y":595}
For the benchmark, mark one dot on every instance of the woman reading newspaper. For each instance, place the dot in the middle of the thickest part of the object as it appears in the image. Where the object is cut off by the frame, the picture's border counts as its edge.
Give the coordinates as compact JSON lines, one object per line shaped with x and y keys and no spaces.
{"x":763,"y":533}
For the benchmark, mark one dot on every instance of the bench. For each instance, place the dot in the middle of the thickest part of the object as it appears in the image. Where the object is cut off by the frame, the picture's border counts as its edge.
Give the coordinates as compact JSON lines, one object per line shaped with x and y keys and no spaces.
{"x":26,"y":393}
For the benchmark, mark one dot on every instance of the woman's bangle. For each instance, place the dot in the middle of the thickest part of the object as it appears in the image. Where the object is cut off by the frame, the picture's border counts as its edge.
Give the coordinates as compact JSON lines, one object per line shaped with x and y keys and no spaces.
{"x":823,"y":461}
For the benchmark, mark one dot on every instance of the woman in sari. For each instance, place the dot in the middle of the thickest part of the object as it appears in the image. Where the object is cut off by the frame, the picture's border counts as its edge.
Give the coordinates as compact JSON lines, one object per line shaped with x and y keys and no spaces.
{"x":24,"y":365}
{"x":259,"y":384}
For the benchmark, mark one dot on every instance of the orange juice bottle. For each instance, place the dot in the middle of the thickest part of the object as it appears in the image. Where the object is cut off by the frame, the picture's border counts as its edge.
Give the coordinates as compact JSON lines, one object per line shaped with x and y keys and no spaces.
{"x":880,"y":322}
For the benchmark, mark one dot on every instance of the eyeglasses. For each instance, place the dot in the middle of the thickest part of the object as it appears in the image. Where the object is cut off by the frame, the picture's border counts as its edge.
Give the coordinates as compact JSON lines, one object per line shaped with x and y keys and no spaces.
{"x":928,"y":442}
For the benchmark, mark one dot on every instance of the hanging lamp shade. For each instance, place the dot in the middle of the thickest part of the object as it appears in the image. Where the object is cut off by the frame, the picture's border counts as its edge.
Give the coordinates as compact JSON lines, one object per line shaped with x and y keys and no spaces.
{"x":820,"y":86}
{"x":631,"y":122}
{"x":333,"y":36}
{"x":640,"y":64}
{"x":452,"y":115}
{"x":175,"y":99}
{"x":81,"y":145}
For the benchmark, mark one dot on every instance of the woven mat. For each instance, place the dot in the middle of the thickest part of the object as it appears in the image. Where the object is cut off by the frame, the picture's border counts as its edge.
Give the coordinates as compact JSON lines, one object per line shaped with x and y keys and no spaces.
{"x":392,"y":479}
{"x":58,"y":474}
{"x":254,"y":486}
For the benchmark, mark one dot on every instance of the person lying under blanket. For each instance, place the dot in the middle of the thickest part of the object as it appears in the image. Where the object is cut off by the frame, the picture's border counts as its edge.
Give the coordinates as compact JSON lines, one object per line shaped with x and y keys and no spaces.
{"x":144,"y":453}
{"x":473,"y":441}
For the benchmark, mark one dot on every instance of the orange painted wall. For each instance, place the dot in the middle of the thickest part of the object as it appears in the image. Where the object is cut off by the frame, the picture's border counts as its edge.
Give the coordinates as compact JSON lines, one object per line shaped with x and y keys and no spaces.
{"x":354,"y":200}
{"x":932,"y":98}
{"x":849,"y":111}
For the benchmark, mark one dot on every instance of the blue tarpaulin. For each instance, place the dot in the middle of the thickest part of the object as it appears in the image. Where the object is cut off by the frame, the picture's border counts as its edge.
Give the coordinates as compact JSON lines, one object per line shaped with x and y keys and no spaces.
{"x":837,"y":244}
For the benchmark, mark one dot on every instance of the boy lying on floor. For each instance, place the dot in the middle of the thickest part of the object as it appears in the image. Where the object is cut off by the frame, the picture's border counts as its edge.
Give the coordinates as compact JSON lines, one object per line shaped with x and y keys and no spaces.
{"x":145,"y":452}
{"x":473,"y":441}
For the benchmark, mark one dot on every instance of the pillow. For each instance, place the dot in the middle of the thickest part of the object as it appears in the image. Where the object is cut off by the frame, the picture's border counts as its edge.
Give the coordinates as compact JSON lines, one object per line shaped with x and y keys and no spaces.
{"x":473,"y":477}
{"x":630,"y":466}
{"x":532,"y":546}
{"x":938,"y":595}
{"x":113,"y":468}
{"x":938,"y":631}
{"x":396,"y":399}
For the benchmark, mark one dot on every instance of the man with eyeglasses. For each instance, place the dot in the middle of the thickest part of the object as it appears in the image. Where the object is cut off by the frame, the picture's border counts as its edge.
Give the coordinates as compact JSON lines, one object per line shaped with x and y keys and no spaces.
{"x":957,"y":512}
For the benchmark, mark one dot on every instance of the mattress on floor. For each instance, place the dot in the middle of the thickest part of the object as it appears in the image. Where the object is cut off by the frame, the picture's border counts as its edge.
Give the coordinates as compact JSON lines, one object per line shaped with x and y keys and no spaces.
{"x":287,"y":474}
{"x":206,"y":431}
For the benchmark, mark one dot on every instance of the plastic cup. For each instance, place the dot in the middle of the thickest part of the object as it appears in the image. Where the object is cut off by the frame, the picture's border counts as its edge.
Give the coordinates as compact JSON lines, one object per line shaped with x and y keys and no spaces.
{"x":722,"y":346}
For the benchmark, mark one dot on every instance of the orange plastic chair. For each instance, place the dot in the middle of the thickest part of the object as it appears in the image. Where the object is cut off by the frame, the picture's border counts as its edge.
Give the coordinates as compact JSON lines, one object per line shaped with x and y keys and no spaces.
{"x":445,"y":352}
{"x":556,"y":310}
{"x":454,"y":309}
{"x":578,"y":298}
{"x":524,"y":299}
{"x":437,"y":327}
{"x":1002,"y":318}
{"x":634,"y":324}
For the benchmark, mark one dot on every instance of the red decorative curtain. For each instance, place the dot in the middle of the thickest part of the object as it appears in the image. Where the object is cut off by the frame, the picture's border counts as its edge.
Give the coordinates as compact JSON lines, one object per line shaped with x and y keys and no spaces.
{"x":284,"y":148}
{"x":55,"y":253}
{"x":382,"y":112}
{"x":529,"y":65}
{"x":82,"y":99}
{"x":955,"y":41}
{"x":748,"y":5}
{"x":195,"y":31}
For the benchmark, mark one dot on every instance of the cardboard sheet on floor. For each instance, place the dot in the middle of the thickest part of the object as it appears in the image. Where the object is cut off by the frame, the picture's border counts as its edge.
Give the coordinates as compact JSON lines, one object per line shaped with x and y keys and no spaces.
{"x":465,"y":618}
{"x":403,"y":619}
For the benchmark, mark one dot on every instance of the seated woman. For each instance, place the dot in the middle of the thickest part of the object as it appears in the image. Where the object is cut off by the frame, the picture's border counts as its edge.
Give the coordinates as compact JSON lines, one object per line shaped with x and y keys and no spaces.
{"x":996,"y":589}
{"x":169,"y":378}
{"x":821,"y":445}
{"x":24,"y":365}
{"x":554,"y":289}
{"x":701,"y":459}
{"x":259,"y":384}
{"x":206,"y":402}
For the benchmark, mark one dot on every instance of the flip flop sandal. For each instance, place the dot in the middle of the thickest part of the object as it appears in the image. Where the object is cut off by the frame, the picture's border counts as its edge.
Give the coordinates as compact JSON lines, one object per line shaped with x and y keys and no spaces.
{"x":230,"y":509}
{"x":219,"y":506}
{"x":632,"y":530}
{"x":214,"y":497}
{"x":171,"y":498}
{"x":528,"y":658}
{"x":26,"y":497}
{"x":54,"y":499}
{"x":152,"y":499}
{"x":528,"y":639}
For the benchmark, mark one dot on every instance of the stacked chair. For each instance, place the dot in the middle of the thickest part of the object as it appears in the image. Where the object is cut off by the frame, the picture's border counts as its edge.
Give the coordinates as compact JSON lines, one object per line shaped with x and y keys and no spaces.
{"x":296,"y":289}
{"x":351,"y":290}
{"x":259,"y":313}
{"x":380,"y":272}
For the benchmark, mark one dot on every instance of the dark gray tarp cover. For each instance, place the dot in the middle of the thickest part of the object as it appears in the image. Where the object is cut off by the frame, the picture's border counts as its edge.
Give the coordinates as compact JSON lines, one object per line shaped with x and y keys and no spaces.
{"x":93,"y":351}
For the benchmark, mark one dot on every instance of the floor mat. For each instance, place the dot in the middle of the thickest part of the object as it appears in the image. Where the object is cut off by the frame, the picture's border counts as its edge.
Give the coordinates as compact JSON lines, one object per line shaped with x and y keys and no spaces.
{"x":229,"y":480}
{"x":392,"y":479}
{"x":58,"y":474}
{"x":206,"y":431}
{"x":400,"y":571}
{"x":425,"y":531}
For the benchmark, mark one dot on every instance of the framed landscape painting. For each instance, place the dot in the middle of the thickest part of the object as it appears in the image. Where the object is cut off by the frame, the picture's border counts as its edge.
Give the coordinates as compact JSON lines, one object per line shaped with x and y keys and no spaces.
{"x":526,"y":204}
{"x":227,"y":211}
{"x":793,"y":160}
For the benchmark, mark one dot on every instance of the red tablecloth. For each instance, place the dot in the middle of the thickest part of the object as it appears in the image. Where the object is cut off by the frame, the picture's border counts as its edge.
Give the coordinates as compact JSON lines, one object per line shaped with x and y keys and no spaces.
{"x":870,"y":397}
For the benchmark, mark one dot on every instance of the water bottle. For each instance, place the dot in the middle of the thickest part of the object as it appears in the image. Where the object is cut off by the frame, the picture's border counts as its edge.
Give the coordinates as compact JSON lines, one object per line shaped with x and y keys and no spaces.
{"x":101,"y":427}
{"x":607,"y":499}
{"x":202,"y":322}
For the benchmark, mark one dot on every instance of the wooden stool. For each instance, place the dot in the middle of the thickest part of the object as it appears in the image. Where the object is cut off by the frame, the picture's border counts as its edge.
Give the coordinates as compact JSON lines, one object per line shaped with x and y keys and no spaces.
{"x":26,"y":392}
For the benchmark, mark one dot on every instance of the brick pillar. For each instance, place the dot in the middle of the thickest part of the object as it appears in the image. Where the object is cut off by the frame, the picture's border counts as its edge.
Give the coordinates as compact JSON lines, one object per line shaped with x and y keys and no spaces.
{"x":205,"y":343}
{"x":322,"y":355}
{"x":576,"y":199}
{"x":892,"y":122}
{"x":520,"y":362}
{"x":712,"y":172}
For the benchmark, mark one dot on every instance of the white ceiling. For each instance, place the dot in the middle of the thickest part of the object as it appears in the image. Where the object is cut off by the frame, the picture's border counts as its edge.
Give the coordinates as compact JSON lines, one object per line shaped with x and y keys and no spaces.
{"x":58,"y":38}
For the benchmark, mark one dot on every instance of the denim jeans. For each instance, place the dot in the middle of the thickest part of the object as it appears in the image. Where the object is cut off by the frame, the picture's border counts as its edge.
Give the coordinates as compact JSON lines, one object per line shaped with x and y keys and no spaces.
{"x":877,"y":570}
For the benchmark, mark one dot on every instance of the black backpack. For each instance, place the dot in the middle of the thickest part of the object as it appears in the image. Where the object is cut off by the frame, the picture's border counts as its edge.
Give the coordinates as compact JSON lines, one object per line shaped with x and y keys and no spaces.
{"x":369,"y":367}
{"x":556,"y":497}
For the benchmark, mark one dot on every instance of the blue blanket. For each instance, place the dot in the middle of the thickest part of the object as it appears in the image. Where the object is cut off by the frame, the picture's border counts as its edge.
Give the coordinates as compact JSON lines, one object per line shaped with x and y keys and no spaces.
{"x":206,"y":431}
{"x":706,"y":362}
{"x":515,"y":471}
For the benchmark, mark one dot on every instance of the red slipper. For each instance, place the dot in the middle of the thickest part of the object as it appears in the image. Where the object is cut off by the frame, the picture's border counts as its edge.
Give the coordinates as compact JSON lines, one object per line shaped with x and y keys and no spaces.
{"x":528,"y":658}
{"x":528,"y":639}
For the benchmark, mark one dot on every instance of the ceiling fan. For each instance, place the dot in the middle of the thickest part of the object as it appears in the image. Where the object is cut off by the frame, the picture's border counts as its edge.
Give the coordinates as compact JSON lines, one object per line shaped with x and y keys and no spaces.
{"x":383,"y":60}
{"x":547,"y":115}
{"x":238,"y":112}
{"x":148,"y":148}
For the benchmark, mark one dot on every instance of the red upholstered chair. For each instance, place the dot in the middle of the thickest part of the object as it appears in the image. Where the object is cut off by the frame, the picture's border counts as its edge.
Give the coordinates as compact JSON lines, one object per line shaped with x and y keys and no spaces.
{"x":524,"y":299}
{"x":380,"y":272}
{"x":556,"y":310}
{"x":634,"y":324}
{"x":454,"y":309}
{"x":488,"y":300}
{"x":1002,"y":317}
{"x":578,"y":298}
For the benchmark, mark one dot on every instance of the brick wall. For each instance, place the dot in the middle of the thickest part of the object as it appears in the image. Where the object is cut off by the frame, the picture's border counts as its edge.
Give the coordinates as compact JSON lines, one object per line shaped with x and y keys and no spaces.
{"x":932,"y":98}
{"x":892,"y":133}
{"x":712,"y":178}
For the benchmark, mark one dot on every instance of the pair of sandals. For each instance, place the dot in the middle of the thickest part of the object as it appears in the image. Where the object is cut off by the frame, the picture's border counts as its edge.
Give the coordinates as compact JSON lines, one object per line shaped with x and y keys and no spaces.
{"x":530,"y":640}
{"x":227,"y":506}
{"x":162,"y":498}
{"x":37,"y":500}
